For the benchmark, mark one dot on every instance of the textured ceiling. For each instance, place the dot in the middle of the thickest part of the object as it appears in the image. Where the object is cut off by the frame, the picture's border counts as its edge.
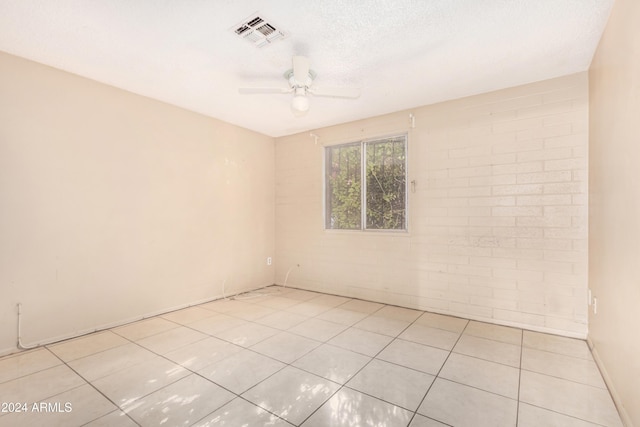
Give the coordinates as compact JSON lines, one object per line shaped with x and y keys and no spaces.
{"x":401,"y":53}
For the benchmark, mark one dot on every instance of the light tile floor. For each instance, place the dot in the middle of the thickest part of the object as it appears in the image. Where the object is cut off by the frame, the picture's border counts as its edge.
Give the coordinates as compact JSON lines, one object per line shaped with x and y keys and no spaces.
{"x":293,"y":357}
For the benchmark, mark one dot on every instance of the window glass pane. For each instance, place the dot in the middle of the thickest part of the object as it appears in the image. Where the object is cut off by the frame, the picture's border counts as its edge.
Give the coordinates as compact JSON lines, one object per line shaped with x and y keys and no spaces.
{"x":343,"y":186}
{"x":386,"y":184}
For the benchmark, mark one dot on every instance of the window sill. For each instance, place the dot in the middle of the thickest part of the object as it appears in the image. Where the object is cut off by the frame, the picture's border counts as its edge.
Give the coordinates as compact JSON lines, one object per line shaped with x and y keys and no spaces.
{"x":399,"y":233}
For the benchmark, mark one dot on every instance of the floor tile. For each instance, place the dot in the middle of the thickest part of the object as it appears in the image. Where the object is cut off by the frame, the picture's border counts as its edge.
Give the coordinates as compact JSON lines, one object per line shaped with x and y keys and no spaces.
{"x":40,"y":385}
{"x":532,"y":416}
{"x":343,"y":316}
{"x":71,"y":408}
{"x":282,"y":320}
{"x":144,"y":328}
{"x":558,"y":365}
{"x":351,"y":363}
{"x":285,"y":347}
{"x":318,"y":329}
{"x":292,"y":394}
{"x":217,"y":324}
{"x":308,"y":308}
{"x":333,"y":363}
{"x":301,"y":295}
{"x":277,"y":302}
{"x":462,"y":406}
{"x":489,"y":376}
{"x":137,"y":381}
{"x":330,"y":300}
{"x":399,"y":313}
{"x":241,"y":371}
{"x":430,"y":336}
{"x":382,"y":325}
{"x":364,"y":342}
{"x":247,"y":334}
{"x":225,"y":305}
{"x":86,"y":345}
{"x":29,"y":362}
{"x":179,"y":404}
{"x":581,"y":401}
{"x":415,"y":356}
{"x":422,"y":421}
{"x":202,"y":353}
{"x":349,"y":408}
{"x":188,"y":315}
{"x":493,"y":351}
{"x":253,"y":312}
{"x":240,"y":413}
{"x":283,"y":289}
{"x":440,"y":321}
{"x":556,"y":344}
{"x":257,"y":295}
{"x":395,"y":384}
{"x":113,"y":419}
{"x":362,"y":306}
{"x":172,"y":339}
{"x":495,"y":332}
{"x":109,"y":361}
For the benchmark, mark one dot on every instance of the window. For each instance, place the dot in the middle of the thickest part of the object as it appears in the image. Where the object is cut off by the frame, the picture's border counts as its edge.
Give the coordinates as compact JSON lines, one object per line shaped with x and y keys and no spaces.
{"x":366,"y":185}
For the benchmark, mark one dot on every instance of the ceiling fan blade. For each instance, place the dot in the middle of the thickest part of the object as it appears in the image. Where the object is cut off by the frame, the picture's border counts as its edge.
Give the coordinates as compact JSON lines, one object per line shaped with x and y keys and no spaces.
{"x":300,"y":69}
{"x":257,"y":90}
{"x":335,"y":92}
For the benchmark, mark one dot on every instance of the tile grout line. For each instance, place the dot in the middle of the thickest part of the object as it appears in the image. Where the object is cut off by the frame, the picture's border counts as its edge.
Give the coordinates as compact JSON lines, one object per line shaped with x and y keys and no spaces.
{"x":34,"y":372}
{"x":140,"y":363}
{"x":566,"y":379}
{"x":438,"y":374}
{"x":286,"y":364}
{"x":254,"y":321}
{"x":342,"y":386}
{"x":519,"y":378}
{"x":203,"y":377}
{"x":374,"y":358}
{"x":566,"y":415}
{"x":90,"y":383}
{"x":264,"y":379}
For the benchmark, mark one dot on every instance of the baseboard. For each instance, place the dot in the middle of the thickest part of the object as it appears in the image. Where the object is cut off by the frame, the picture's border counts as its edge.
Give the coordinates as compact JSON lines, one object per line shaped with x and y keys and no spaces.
{"x":103,"y":327}
{"x":8,"y":351}
{"x":626,"y":419}
{"x":467,"y":316}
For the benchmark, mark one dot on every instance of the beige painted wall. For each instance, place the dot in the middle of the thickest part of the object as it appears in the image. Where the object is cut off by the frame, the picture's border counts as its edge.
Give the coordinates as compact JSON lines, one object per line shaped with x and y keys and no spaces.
{"x":114,"y":206}
{"x":497,"y":223}
{"x":614,"y":208}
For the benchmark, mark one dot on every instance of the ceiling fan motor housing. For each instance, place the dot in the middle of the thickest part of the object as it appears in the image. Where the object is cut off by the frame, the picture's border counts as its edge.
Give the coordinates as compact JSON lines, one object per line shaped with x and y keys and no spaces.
{"x":294,"y":83}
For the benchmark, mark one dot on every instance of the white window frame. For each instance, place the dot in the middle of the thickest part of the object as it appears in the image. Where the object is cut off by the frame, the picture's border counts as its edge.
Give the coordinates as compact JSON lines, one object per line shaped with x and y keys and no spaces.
{"x":363,"y":188}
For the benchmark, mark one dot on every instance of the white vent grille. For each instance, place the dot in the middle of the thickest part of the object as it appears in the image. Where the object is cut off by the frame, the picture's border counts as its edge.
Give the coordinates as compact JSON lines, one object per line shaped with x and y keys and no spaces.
{"x":258,"y":31}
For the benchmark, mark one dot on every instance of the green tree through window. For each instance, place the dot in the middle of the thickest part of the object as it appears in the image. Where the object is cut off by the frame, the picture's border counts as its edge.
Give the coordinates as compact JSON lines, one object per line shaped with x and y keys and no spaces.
{"x":381,"y":165}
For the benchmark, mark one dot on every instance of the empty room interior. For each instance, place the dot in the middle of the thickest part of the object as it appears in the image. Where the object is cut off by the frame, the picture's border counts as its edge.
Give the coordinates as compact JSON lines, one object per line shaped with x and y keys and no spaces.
{"x":407,"y":213}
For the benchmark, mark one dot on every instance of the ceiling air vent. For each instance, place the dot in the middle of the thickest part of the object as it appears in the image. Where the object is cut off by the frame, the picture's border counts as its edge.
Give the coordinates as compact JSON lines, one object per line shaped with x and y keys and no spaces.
{"x":258,"y":31}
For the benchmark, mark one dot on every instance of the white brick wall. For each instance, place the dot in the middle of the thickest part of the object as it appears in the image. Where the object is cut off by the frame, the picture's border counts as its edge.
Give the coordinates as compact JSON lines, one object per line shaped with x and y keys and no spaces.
{"x":497,"y":222}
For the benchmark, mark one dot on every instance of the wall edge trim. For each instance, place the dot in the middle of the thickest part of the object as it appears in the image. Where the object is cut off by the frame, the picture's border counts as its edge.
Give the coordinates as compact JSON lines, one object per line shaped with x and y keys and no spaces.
{"x":624,"y":416}
{"x":53,"y":340}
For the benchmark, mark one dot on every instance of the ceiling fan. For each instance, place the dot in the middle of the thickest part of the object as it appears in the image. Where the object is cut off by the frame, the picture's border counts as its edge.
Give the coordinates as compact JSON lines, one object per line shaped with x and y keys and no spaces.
{"x":300,"y":79}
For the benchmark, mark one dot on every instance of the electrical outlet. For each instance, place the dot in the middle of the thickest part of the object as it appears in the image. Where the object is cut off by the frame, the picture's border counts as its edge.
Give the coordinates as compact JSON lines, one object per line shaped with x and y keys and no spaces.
{"x":269,"y":260}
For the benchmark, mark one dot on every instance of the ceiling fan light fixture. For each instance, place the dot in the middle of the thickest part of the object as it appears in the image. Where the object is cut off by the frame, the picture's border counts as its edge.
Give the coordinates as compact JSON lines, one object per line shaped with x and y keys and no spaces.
{"x":300,"y":104}
{"x":300,"y":79}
